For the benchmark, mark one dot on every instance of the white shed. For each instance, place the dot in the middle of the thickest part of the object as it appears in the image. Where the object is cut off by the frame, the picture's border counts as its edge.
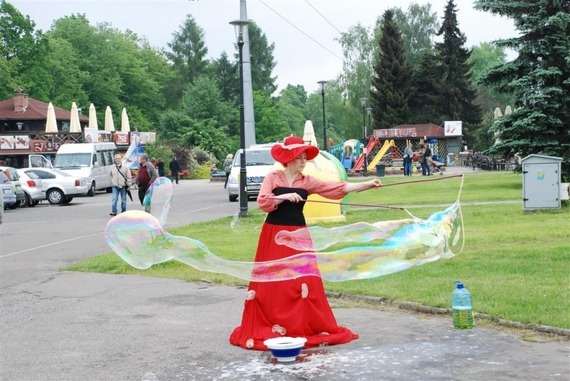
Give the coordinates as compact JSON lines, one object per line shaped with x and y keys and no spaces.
{"x":541,"y":182}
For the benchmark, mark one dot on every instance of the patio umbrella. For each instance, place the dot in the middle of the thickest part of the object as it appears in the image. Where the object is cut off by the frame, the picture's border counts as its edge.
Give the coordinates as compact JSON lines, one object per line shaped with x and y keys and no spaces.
{"x":93,"y":117}
{"x":309,"y":134}
{"x":125,"y":127}
{"x":109,"y":125}
{"x":51,"y":122}
{"x":74,"y":125}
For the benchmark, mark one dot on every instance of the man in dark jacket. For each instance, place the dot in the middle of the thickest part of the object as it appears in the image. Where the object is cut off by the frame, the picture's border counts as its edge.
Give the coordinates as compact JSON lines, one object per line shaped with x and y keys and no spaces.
{"x":175,"y":168}
{"x":145,"y":176}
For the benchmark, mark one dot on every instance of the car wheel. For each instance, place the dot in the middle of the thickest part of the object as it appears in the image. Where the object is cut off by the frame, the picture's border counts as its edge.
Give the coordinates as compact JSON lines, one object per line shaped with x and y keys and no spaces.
{"x":91,"y":192}
{"x":233,"y":198}
{"x":67,"y":200}
{"x":55,"y":196}
{"x":35,"y":202}
{"x":27,"y":201}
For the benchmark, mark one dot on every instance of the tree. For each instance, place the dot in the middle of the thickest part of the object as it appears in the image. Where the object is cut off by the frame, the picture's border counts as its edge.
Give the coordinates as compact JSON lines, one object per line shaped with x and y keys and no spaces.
{"x":262,"y":60}
{"x":456,"y":97}
{"x":424,"y":104}
{"x":269,"y":126}
{"x":418,"y":27}
{"x":24,"y":53}
{"x":538,"y":78}
{"x":187,"y":56}
{"x":391,"y":82}
{"x":291,"y":106}
{"x":226,"y":75}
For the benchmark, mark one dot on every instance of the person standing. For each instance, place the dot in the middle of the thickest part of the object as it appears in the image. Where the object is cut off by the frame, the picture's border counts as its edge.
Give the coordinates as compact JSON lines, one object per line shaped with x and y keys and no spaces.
{"x":160,"y":167}
{"x":424,"y":154}
{"x":296,"y":307}
{"x":145,"y":176}
{"x":121,"y":180}
{"x":228,"y":161}
{"x":175,"y":168}
{"x":408,"y":155}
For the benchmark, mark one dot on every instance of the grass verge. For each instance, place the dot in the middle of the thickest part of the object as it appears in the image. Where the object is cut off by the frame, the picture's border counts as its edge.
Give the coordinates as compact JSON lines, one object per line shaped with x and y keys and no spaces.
{"x":515,"y":263}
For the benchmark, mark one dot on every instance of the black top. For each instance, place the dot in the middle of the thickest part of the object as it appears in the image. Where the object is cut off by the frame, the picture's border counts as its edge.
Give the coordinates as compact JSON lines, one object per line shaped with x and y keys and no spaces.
{"x":288,"y":213}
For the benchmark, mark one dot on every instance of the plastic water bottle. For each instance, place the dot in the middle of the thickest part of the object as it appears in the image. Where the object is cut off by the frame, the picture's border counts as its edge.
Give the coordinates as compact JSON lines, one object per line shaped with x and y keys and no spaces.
{"x":462,"y":307}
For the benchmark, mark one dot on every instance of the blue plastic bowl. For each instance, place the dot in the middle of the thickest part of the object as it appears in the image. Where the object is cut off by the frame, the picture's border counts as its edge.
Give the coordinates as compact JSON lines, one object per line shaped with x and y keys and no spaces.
{"x":285,"y":349}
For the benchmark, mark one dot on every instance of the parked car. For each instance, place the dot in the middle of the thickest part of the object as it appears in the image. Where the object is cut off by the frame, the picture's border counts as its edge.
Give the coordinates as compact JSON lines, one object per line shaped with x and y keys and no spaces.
{"x":12,"y":174}
{"x":258,"y":163}
{"x":33,"y":187}
{"x":9,"y":197}
{"x":60,"y":186}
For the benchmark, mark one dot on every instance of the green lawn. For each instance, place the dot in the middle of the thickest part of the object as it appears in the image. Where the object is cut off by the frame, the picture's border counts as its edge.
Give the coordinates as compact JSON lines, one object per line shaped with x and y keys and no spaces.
{"x":515,"y":264}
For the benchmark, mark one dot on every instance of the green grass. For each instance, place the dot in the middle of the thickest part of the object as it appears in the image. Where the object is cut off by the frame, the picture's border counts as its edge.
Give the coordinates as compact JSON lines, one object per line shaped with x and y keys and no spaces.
{"x":515,"y":263}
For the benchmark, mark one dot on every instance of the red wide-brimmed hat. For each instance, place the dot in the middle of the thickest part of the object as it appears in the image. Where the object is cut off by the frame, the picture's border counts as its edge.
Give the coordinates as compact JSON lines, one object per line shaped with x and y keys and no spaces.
{"x":291,"y":148}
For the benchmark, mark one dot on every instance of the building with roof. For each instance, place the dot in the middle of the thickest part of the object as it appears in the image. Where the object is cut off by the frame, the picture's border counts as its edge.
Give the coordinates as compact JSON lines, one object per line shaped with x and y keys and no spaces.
{"x":23,"y":125}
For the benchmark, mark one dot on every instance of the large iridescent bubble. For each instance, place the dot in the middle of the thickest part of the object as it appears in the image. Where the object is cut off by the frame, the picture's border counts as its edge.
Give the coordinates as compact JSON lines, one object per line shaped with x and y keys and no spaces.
{"x":158,"y":198}
{"x":139,"y":239}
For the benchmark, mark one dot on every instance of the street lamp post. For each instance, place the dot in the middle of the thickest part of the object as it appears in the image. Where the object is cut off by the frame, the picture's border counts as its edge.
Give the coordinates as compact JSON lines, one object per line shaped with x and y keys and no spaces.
{"x":363,"y":102}
{"x":243,"y":197}
{"x":322,"y":85}
{"x":369,"y":112}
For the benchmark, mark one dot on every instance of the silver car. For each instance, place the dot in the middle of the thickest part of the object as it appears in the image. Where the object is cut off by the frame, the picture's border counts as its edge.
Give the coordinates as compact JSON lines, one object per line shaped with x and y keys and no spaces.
{"x":60,"y":186}
{"x":8,"y":195}
{"x":258,"y":163}
{"x":33,"y":187}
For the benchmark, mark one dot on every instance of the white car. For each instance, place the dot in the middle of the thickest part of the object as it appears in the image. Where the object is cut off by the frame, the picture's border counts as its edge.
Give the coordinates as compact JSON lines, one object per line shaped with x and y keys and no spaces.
{"x":258,"y":163}
{"x":33,"y":187}
{"x":60,"y":186}
{"x":8,"y":195}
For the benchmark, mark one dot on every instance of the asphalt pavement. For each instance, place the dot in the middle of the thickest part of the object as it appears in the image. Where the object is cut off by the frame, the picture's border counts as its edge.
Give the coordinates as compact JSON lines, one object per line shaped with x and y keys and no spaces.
{"x":86,"y":326}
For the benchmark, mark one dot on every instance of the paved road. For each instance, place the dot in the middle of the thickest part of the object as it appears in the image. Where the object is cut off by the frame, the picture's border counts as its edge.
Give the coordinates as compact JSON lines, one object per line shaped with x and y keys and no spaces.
{"x":73,"y":326}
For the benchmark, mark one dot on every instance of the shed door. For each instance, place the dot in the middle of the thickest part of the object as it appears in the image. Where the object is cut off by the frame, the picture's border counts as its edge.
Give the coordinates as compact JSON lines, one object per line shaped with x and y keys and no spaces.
{"x":541,"y":188}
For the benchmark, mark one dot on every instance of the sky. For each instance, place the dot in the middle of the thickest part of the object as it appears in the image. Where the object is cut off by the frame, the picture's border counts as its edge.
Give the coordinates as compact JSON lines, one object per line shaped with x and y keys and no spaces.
{"x":304,"y":31}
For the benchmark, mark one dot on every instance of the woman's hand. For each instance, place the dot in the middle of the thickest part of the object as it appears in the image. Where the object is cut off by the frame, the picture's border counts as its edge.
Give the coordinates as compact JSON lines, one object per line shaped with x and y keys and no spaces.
{"x":292,"y":197}
{"x":376,"y":183}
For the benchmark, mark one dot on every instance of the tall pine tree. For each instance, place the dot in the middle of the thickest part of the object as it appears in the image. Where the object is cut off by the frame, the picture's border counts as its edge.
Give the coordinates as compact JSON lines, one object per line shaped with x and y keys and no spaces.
{"x":456,"y":97}
{"x":538,"y":77}
{"x":391,"y":82}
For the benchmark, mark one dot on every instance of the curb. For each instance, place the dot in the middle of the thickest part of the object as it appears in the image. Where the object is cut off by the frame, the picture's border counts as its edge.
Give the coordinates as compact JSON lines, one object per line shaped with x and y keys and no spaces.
{"x":416,"y":307}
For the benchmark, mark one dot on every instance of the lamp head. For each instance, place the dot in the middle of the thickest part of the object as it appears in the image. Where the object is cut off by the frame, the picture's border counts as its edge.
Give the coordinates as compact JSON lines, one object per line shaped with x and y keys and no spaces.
{"x":322,"y":85}
{"x":363,"y":101}
{"x":239,"y":26}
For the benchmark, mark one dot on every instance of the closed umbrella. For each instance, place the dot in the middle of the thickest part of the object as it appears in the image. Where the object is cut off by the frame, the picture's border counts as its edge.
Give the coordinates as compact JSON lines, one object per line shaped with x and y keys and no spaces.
{"x":51,"y":122}
{"x":109,"y":125}
{"x":309,"y":134}
{"x":74,"y":125}
{"x":125,"y":127}
{"x":93,"y":117}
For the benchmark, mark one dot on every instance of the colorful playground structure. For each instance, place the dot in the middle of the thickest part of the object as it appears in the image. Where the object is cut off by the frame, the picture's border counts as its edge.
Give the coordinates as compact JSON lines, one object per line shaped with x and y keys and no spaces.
{"x":387,"y":152}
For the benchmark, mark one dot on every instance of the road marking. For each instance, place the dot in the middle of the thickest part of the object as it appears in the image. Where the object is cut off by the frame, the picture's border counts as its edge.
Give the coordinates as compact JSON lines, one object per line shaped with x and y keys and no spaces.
{"x":49,"y":244}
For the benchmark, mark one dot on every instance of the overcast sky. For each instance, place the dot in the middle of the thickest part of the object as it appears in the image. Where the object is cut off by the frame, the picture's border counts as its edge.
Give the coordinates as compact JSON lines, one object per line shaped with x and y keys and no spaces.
{"x":300,"y":60}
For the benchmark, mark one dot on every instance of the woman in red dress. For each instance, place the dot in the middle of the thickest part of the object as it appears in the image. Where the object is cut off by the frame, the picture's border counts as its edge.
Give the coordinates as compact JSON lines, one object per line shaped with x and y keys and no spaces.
{"x":297,"y":307}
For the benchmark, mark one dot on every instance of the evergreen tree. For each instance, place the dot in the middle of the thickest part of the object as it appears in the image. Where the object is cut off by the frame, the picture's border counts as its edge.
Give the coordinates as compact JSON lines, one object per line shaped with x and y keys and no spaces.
{"x":391,"y":82}
{"x":538,"y":77}
{"x":424,"y":106}
{"x":456,"y":97}
{"x":262,"y":60}
{"x":226,"y":75}
{"x":187,"y":56}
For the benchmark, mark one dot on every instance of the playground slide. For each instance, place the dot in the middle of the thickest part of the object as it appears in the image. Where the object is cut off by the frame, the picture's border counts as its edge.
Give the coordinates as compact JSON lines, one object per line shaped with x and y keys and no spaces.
{"x":385,"y":147}
{"x":360,"y":160}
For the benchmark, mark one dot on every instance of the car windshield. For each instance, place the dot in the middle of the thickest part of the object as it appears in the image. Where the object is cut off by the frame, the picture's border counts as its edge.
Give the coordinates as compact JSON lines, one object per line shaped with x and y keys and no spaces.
{"x":72,"y":160}
{"x":253,"y":158}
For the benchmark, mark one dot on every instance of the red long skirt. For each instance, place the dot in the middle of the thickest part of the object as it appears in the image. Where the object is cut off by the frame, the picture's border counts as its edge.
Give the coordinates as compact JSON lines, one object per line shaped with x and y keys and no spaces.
{"x":294,"y":308}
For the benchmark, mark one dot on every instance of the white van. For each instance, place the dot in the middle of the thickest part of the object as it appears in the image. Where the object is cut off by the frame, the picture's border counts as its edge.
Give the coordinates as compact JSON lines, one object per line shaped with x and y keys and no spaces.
{"x":91,"y":161}
{"x":258,"y":163}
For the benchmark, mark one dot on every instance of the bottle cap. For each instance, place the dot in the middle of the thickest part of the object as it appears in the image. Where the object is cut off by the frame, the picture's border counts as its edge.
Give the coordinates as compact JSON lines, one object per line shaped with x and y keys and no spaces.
{"x":460,"y":285}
